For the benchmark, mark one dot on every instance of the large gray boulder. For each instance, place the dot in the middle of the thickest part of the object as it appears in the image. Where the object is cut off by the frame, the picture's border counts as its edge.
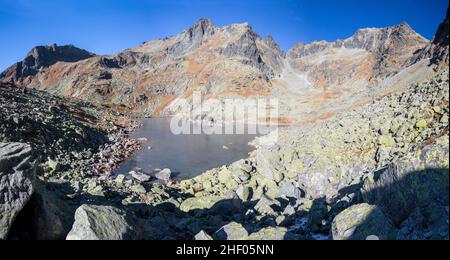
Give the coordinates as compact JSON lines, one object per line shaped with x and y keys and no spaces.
{"x":102,"y":223}
{"x":361,"y":221}
{"x":17,"y":174}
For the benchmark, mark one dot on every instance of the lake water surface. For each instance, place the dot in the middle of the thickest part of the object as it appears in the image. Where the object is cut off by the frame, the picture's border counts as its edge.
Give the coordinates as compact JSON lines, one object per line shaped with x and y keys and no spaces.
{"x":186,"y":155}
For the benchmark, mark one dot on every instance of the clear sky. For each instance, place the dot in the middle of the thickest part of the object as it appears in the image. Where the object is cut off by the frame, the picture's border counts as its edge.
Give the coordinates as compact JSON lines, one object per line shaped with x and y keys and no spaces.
{"x":109,"y":26}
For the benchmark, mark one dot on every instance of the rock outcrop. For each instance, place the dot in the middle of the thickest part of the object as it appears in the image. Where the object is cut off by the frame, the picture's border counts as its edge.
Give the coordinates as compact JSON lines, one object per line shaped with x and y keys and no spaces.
{"x":17,"y":176}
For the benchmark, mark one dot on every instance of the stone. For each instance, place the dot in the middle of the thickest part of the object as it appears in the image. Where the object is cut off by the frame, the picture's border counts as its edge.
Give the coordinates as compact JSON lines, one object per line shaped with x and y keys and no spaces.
{"x":421,"y":123}
{"x":269,"y":233}
{"x":53,"y":165}
{"x":267,"y":164}
{"x":280,"y":219}
{"x":102,"y":223}
{"x":289,"y":190}
{"x":140,"y":176}
{"x":120,"y":179}
{"x":97,"y":191}
{"x":267,"y":206}
{"x":204,"y":202}
{"x":202,"y":235}
{"x":360,"y":221}
{"x":231,"y":231}
{"x":164,"y":175}
{"x":243,"y":192}
{"x":444,"y":119}
{"x":224,"y":176}
{"x":139,"y":189}
{"x":386,"y":141}
{"x":17,"y":176}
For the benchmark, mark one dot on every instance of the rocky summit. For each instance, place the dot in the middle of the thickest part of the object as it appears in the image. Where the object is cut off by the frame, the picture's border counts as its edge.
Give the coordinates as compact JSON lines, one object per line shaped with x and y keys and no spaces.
{"x":363,"y":154}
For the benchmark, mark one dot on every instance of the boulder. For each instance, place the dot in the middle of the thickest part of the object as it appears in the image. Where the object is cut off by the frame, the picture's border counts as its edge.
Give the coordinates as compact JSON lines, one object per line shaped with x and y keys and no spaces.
{"x":269,"y":233}
{"x":140,"y":176}
{"x":17,"y":174}
{"x":231,"y":231}
{"x":202,"y":235}
{"x":243,"y":192}
{"x":199,"y":203}
{"x":361,"y":221}
{"x":267,"y":206}
{"x":289,"y":190}
{"x":101,"y":223}
{"x":268,"y":165}
{"x":139,"y":189}
{"x":164,"y":175}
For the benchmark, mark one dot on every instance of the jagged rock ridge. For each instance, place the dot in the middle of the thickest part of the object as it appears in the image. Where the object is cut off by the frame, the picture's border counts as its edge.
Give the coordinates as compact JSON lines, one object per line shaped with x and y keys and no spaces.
{"x":43,"y":57}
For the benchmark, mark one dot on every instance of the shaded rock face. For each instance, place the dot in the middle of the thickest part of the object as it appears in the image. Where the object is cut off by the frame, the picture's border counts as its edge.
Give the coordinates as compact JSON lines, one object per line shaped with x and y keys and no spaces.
{"x":17,"y":175}
{"x":399,"y":191}
{"x":438,"y":51}
{"x":101,"y":223}
{"x":441,"y":40}
{"x":43,"y":57}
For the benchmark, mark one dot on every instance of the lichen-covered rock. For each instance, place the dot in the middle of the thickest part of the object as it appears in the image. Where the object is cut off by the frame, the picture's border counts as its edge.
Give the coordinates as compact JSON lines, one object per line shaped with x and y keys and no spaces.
{"x":202,"y":235}
{"x":268,"y":165}
{"x":102,"y":223}
{"x":199,"y":203}
{"x":231,"y":231}
{"x":360,"y":221}
{"x":269,"y":233}
{"x":267,"y":206}
{"x":17,"y":174}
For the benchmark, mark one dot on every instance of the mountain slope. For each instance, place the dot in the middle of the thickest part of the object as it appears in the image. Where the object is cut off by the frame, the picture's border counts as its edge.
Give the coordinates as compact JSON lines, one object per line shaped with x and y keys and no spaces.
{"x":310,"y":80}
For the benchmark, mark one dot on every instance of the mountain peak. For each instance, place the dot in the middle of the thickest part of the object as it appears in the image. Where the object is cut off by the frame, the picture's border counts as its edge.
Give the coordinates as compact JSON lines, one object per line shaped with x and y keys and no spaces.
{"x":45,"y":56}
{"x":204,"y":22}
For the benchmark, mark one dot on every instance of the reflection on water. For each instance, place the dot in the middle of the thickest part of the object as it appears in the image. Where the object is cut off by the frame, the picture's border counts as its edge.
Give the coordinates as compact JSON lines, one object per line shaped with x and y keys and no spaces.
{"x":186,"y":155}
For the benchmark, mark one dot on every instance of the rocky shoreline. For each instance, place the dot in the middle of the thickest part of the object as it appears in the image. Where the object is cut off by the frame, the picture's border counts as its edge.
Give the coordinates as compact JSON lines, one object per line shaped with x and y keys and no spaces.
{"x":109,"y":158}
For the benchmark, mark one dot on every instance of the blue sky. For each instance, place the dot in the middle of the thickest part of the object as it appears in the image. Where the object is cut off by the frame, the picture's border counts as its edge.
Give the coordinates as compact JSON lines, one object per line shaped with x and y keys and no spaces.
{"x":108,"y":26}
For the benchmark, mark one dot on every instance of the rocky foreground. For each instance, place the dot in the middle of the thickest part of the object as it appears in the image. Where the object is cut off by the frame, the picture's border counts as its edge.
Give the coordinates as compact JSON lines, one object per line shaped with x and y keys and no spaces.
{"x":378,"y":171}
{"x":60,"y":142}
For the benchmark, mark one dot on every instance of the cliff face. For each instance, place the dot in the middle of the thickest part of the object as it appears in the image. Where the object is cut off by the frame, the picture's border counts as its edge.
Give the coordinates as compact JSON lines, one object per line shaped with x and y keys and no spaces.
{"x":232,"y":61}
{"x":438,"y":50}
